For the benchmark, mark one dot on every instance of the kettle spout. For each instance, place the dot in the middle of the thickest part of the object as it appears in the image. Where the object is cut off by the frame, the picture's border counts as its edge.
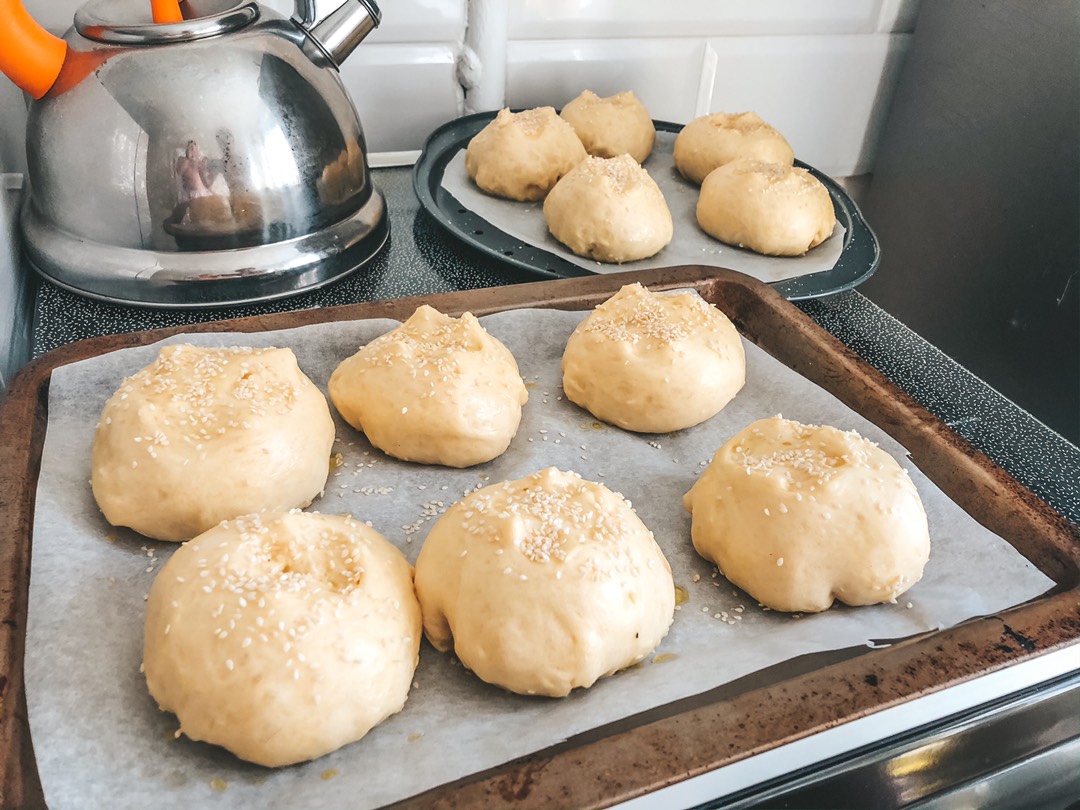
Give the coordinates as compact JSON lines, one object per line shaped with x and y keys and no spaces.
{"x":29,"y":55}
{"x":337,"y":27}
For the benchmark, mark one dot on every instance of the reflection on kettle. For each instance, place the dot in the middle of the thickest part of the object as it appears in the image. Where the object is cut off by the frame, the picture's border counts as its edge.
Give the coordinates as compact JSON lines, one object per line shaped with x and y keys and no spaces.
{"x":192,"y":172}
{"x":212,"y":210}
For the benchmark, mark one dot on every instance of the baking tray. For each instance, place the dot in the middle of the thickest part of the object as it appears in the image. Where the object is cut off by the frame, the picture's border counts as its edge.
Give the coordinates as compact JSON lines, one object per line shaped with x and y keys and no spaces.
{"x":671,"y":742}
{"x":858,"y":259}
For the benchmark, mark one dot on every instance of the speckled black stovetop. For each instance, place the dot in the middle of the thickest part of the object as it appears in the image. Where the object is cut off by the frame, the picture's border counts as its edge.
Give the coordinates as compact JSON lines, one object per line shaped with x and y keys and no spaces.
{"x":421,"y":259}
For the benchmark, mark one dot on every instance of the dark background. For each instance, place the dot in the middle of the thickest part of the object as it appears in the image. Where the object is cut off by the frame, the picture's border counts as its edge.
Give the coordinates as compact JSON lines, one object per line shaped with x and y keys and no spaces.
{"x":976,"y":197}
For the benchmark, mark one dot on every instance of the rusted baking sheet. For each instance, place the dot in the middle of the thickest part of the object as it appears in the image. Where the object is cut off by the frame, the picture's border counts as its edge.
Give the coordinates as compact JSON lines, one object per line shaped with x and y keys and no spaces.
{"x":675,"y":742}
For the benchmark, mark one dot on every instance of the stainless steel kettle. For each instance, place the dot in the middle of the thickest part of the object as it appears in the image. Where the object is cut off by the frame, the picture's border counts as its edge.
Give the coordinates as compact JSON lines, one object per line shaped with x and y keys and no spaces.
{"x":212,"y":160}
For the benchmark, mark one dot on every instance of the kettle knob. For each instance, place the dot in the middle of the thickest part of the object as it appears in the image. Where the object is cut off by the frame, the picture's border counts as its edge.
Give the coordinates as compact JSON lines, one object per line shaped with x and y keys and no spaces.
{"x":337,"y":27}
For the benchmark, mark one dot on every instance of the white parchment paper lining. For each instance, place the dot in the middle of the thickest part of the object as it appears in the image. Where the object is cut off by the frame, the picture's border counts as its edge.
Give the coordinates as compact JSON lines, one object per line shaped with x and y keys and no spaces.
{"x":689,"y":245}
{"x":101,"y":741}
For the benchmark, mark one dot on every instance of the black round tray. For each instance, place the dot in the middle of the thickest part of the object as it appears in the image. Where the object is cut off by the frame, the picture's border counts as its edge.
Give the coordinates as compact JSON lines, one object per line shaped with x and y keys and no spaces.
{"x":858,"y":258}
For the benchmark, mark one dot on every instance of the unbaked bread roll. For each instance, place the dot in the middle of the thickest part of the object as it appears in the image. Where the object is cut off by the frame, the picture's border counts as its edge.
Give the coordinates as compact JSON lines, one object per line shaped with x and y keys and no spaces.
{"x":713,"y":140}
{"x":520,"y":156}
{"x":544,"y":584}
{"x":609,"y":209}
{"x":611,"y":126}
{"x":653,"y":362}
{"x":799,"y":515}
{"x":282,"y":638}
{"x":436,"y":390}
{"x":767,"y":207}
{"x":205,"y":434}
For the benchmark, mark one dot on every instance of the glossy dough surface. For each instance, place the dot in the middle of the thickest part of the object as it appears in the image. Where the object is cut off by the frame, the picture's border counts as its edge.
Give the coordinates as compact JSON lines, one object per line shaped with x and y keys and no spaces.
{"x":713,"y":140}
{"x":435,"y":390}
{"x":766,"y":207}
{"x":611,"y":126}
{"x":284,"y":638}
{"x":520,"y":156}
{"x":799,"y":515}
{"x":205,"y":434}
{"x":544,"y":584}
{"x":609,"y":209}
{"x":654,"y":362}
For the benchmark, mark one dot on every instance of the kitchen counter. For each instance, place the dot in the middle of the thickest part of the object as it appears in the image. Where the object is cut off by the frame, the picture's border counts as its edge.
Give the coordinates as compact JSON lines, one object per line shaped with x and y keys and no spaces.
{"x":420,"y":260}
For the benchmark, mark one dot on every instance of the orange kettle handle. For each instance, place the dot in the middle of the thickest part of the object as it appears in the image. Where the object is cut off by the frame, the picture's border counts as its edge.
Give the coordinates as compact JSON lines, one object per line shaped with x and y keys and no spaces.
{"x":29,"y":55}
{"x":166,"y":11}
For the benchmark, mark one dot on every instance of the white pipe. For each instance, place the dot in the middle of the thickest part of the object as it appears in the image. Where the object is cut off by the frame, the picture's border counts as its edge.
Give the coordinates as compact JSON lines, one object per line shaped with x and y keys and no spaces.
{"x":481,"y":67}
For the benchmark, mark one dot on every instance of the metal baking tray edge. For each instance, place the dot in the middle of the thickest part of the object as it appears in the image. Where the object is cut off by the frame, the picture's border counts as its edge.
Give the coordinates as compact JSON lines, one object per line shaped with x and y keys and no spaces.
{"x":671,"y":743}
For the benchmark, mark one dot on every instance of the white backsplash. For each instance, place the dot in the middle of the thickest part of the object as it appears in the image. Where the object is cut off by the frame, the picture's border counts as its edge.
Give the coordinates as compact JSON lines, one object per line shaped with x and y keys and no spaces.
{"x":15,"y":308}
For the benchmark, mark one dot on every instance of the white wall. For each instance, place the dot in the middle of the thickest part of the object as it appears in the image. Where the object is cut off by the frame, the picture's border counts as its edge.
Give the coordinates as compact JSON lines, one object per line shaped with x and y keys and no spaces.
{"x":15,"y":314}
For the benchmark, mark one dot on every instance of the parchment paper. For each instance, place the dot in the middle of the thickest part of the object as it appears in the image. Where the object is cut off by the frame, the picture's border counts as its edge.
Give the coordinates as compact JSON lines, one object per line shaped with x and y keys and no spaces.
{"x":689,"y":245}
{"x":101,"y":741}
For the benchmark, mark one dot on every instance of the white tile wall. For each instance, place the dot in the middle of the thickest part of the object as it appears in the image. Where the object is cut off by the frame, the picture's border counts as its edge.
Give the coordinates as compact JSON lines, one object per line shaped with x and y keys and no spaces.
{"x":558,"y":19}
{"x":827,"y":94}
{"x":56,"y":15}
{"x":664,"y":73}
{"x":14,"y":306}
{"x":12,"y":128}
{"x":897,"y":16}
{"x":402,"y":92}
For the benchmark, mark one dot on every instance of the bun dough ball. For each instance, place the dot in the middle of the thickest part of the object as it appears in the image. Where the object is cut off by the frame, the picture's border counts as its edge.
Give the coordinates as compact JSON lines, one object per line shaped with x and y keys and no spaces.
{"x":609,"y":209}
{"x":799,"y":515}
{"x":282,"y":639}
{"x":653,"y":362}
{"x":612,"y":126}
{"x":766,"y":207}
{"x":205,"y":434}
{"x":544,"y":584}
{"x":520,"y":156}
{"x":720,"y":138}
{"x":435,"y":390}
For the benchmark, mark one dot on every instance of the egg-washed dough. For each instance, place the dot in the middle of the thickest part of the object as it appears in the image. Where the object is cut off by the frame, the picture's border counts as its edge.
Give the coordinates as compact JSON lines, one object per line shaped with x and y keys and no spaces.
{"x":205,"y":434}
{"x":544,"y":584}
{"x":769,"y":208}
{"x":612,"y":126}
{"x":609,"y":209}
{"x":282,"y":638}
{"x":713,"y":140}
{"x":654,"y":362}
{"x":435,"y":390}
{"x":800,"y":515}
{"x":520,"y":156}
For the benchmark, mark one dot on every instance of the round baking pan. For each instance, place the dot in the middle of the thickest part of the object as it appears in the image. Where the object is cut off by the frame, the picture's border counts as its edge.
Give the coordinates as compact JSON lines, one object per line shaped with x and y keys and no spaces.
{"x":858,"y":258}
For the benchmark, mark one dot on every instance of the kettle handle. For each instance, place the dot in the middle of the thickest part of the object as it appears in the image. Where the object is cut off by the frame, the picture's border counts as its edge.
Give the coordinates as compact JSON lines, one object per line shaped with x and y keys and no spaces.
{"x":29,"y":55}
